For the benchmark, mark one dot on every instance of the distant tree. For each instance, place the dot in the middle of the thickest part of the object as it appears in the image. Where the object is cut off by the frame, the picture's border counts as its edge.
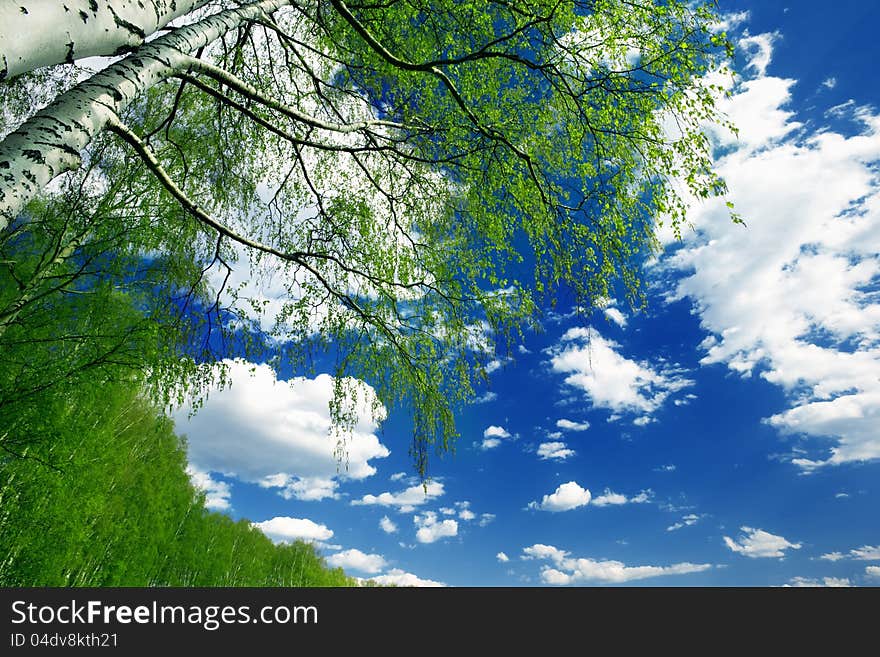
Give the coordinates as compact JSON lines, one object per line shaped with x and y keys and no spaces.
{"x":107,"y":502}
{"x":421,"y":176}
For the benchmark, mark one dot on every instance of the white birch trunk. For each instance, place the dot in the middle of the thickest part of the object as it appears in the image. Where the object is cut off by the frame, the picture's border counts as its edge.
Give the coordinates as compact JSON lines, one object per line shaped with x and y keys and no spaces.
{"x":49,"y":143}
{"x":36,"y":33}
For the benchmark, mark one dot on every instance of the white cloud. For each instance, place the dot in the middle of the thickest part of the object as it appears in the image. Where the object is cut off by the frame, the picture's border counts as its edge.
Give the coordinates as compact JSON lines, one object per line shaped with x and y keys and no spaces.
{"x":568,"y":425}
{"x":566,"y":497}
{"x":397,"y":476}
{"x":485,"y":398}
{"x":466,"y":514}
{"x":567,"y":570}
{"x":789,"y":298}
{"x":872,"y":571}
{"x":556,"y":451}
{"x":492,"y":437}
{"x":759,"y":51}
{"x":397,"y":577}
{"x":610,"y":380}
{"x":756,"y":543}
{"x":616,"y":316}
{"x":430,"y":529}
{"x":867,"y":553}
{"x":832,"y":582}
{"x":829,"y":83}
{"x":571,"y":496}
{"x":356,"y":560}
{"x":301,"y":488}
{"x":670,"y":467}
{"x":503,"y":558}
{"x":686,"y":521}
{"x":609,"y":498}
{"x":284,"y":529}
{"x":864,"y":553}
{"x":541,"y":551}
{"x":730,"y":21}
{"x":279,"y":434}
{"x":485,"y":519}
{"x":387,"y":525}
{"x":217,"y":493}
{"x":405,"y":500}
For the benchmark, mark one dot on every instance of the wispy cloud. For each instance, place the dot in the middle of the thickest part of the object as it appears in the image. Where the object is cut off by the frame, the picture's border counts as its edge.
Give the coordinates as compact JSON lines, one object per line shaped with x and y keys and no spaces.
{"x":404,"y":500}
{"x":566,"y":570}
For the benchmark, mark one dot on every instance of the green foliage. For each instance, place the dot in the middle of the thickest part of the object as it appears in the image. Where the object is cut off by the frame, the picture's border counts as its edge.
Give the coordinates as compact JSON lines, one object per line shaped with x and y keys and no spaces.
{"x":104,"y":501}
{"x":419,"y":178}
{"x":93,"y":488}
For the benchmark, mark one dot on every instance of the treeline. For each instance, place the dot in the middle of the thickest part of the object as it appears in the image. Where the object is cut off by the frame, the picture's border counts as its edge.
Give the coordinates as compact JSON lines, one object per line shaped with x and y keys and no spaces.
{"x":104,"y":500}
{"x":93,"y":488}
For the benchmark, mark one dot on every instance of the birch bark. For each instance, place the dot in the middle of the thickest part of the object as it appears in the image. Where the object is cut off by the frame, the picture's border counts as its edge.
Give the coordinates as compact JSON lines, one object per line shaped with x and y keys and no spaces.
{"x":37,"y":33}
{"x":50,"y":142}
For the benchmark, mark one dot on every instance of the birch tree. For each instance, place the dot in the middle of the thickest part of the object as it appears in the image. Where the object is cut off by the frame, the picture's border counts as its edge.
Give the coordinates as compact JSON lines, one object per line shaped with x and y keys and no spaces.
{"x":418,"y":179}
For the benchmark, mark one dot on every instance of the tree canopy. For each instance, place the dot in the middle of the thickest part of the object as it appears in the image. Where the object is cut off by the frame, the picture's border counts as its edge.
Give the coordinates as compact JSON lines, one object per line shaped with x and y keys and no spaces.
{"x":419,"y":178}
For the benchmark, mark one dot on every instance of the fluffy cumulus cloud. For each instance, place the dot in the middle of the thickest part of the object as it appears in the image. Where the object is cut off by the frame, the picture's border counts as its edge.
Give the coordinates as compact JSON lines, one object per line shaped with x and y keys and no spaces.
{"x":284,"y":529}
{"x":431,"y":529}
{"x":357,"y":560}
{"x":793,"y":297}
{"x":216,"y":492}
{"x":594,"y":365}
{"x":568,"y":425}
{"x":554,"y":451}
{"x":565,"y":498}
{"x":405,"y":500}
{"x":464,"y":511}
{"x":756,"y":543}
{"x":387,"y":525}
{"x":571,"y":495}
{"x":278,"y":434}
{"x":566,"y":570}
{"x":397,"y":577}
{"x":502,"y":557}
{"x":873,"y":571}
{"x":493,"y":436}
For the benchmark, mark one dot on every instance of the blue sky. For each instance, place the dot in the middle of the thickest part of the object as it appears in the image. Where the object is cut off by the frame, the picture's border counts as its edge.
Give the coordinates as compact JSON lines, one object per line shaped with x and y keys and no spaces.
{"x":729,"y":434}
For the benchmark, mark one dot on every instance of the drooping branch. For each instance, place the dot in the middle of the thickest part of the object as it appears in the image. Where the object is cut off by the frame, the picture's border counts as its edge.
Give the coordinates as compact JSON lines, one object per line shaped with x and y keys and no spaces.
{"x":434,"y":69}
{"x":299,"y":258}
{"x":50,"y":142}
{"x":231,"y":81}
